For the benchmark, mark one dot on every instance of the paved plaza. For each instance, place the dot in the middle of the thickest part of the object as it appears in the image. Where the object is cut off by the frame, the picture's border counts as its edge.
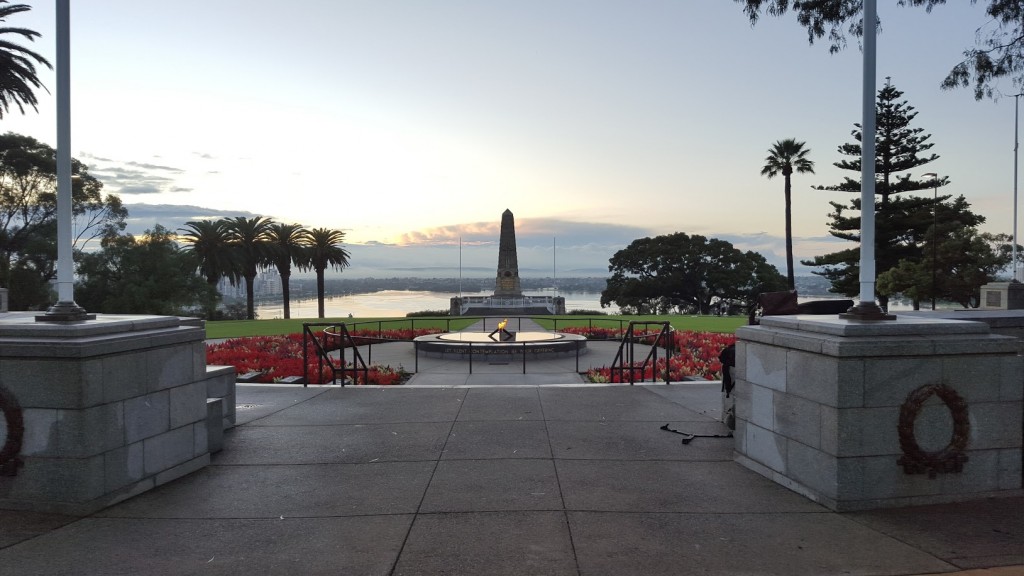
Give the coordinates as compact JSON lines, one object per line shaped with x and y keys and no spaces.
{"x":497,"y":472}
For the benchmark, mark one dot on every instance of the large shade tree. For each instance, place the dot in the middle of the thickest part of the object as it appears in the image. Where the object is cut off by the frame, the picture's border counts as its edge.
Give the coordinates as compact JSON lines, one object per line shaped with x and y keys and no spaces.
{"x":684,"y":273}
{"x":253,"y":249}
{"x":18,"y":77}
{"x":325,"y":250}
{"x":28,"y":217}
{"x":956,"y":261}
{"x":998,"y":52}
{"x":289,"y":241}
{"x":785,"y":157}
{"x":145,"y":275}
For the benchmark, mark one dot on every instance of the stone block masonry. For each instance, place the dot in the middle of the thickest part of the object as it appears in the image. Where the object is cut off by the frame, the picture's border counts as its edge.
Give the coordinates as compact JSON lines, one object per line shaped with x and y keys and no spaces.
{"x":110,"y":408}
{"x":860,"y":415}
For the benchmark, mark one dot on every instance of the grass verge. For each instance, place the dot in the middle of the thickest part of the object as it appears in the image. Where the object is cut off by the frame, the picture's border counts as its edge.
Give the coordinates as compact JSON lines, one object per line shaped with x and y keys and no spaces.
{"x":241,"y":328}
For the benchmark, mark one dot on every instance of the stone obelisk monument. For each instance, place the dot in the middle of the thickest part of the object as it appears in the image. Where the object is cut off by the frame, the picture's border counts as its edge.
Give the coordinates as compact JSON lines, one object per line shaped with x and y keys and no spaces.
{"x":508,"y":298}
{"x":507,"y":283}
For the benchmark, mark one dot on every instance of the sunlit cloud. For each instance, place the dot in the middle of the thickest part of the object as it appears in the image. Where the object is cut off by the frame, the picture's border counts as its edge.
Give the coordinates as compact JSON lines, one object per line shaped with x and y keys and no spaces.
{"x":472,"y":233}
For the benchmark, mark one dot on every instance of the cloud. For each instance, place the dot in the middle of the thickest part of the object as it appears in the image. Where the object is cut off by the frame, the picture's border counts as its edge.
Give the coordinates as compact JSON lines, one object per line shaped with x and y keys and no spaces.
{"x":472,"y":233}
{"x":145,"y":166}
{"x":136,"y":178}
{"x":545,"y":247}
{"x":142,"y":217}
{"x":140,"y":189}
{"x":540,"y":232}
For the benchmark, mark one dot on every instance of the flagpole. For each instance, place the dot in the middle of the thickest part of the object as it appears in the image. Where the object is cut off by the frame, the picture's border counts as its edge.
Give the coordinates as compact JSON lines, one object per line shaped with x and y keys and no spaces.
{"x":65,"y":310}
{"x":867,"y":309}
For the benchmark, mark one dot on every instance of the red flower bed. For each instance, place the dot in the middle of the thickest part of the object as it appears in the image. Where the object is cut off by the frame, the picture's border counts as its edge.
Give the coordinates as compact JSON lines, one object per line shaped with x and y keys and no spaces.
{"x":696,"y":355}
{"x":366,"y":336}
{"x":595,"y":333}
{"x":277,"y":357}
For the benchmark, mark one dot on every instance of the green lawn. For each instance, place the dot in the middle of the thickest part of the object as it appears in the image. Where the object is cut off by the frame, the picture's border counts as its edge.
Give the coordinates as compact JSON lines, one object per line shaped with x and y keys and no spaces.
{"x":239,"y":328}
{"x":695,"y":323}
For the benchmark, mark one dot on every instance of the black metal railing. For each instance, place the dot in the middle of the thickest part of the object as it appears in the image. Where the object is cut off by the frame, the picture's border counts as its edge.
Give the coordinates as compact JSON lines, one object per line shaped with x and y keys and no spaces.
{"x":335,"y":337}
{"x":338,"y":336}
{"x":625,"y":364}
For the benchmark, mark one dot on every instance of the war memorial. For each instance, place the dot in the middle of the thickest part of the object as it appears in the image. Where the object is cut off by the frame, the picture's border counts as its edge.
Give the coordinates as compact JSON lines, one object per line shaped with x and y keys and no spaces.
{"x":508,"y":298}
{"x":878,"y":445}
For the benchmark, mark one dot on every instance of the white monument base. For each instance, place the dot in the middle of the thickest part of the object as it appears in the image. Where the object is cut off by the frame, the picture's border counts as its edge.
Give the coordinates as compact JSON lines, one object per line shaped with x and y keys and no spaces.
{"x":97,"y":411}
{"x":859,"y":415}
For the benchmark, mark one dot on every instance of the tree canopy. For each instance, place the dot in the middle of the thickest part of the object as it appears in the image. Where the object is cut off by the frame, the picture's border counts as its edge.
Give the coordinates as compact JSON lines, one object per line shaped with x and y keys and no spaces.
{"x":146,"y":275}
{"x":18,"y":78}
{"x":684,"y":273}
{"x":901,"y":220}
{"x":28,"y":217}
{"x":998,"y":51}
{"x":325,"y":250}
{"x":784,"y":158}
{"x":955,"y":259}
{"x":906,"y":225}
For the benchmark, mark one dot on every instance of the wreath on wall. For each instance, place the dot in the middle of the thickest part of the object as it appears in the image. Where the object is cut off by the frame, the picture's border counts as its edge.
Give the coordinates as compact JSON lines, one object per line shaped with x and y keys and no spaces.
{"x":951,"y":458}
{"x":9,"y":453}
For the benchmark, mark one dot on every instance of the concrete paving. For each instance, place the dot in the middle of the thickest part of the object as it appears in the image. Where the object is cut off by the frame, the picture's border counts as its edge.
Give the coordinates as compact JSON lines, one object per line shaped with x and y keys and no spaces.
{"x":525,"y":479}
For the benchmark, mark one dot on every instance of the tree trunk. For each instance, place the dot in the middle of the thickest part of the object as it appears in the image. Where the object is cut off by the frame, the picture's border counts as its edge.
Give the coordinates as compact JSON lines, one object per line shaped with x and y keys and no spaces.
{"x":286,"y":294}
{"x":789,"y":235}
{"x":320,"y":292}
{"x":211,"y":311}
{"x":250,"y":299}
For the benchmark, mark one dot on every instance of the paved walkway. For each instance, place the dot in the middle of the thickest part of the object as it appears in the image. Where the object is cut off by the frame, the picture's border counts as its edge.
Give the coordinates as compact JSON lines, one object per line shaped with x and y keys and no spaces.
{"x":496,"y":480}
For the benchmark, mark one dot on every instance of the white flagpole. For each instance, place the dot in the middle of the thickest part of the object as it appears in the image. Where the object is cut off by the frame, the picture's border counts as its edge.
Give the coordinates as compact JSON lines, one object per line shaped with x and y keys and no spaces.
{"x":867,"y":309}
{"x":65,"y":309}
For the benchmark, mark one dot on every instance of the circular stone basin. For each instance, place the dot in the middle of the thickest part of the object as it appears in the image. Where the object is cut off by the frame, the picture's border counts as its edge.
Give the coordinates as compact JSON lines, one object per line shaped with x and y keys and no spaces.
{"x":463,"y":345}
{"x":487,"y":338}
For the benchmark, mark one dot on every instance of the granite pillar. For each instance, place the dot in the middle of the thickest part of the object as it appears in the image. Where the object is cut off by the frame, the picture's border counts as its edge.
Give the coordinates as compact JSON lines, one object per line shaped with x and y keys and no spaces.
{"x":99,"y":411}
{"x":859,"y":415}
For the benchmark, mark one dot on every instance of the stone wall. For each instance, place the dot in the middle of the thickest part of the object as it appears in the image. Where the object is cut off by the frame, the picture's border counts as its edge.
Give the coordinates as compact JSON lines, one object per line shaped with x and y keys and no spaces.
{"x":819,"y":401}
{"x":111,"y":408}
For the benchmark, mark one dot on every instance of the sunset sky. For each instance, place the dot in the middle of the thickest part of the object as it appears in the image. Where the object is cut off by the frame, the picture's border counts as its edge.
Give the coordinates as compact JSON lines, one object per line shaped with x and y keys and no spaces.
{"x":413,"y":124}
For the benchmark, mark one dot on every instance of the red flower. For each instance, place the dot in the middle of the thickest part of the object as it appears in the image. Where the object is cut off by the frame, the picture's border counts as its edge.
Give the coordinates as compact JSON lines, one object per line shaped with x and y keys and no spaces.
{"x":277,"y":357}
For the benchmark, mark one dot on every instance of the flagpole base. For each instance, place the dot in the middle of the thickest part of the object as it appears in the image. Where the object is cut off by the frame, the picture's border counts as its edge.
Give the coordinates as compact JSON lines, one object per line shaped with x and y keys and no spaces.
{"x":65,"y":312}
{"x":866,"y":311}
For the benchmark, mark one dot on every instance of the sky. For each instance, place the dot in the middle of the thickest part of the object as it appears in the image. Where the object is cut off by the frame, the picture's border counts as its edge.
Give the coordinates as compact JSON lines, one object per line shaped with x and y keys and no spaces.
{"x":412,"y":125}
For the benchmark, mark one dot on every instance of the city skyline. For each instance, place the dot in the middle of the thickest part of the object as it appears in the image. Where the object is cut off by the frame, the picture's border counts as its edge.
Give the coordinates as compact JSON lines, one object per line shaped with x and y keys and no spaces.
{"x":413,"y":126}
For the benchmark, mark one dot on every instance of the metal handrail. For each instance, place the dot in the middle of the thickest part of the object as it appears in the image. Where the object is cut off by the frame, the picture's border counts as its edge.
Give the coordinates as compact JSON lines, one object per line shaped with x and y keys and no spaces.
{"x":343,"y":337}
{"x":624,"y":358}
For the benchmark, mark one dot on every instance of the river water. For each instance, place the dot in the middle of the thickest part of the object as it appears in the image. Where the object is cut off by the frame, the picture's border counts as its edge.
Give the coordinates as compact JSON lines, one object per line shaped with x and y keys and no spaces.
{"x":391,"y":303}
{"x":398,"y":303}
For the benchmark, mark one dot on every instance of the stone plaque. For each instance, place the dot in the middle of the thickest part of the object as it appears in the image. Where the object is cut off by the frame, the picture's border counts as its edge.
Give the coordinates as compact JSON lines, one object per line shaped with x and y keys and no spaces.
{"x":993,"y":299}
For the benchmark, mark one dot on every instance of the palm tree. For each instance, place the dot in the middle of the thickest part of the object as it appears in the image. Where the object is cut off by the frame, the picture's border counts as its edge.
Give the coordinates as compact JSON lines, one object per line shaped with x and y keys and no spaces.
{"x":250,"y":238}
{"x":325,"y":250}
{"x":290,"y":247}
{"x":209,"y":243}
{"x":17,"y":64}
{"x":784,"y":157}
